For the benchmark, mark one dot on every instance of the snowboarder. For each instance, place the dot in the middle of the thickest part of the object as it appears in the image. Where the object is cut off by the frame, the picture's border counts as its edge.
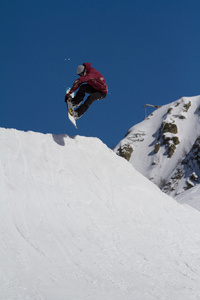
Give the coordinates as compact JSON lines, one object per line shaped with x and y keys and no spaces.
{"x":95,"y":85}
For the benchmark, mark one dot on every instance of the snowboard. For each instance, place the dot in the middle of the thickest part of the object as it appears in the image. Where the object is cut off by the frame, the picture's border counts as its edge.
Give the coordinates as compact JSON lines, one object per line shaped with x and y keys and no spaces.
{"x":70,"y":109}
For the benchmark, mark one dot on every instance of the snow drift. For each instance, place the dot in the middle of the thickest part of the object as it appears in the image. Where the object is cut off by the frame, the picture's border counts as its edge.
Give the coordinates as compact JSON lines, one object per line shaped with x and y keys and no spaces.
{"x":79,"y":222}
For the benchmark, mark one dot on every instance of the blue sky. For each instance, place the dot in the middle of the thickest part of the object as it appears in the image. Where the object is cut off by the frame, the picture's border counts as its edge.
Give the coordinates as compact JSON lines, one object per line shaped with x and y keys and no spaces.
{"x":148,"y":51}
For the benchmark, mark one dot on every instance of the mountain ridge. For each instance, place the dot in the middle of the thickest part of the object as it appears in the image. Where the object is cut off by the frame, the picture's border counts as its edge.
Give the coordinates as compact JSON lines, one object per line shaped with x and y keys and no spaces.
{"x":159,"y":146}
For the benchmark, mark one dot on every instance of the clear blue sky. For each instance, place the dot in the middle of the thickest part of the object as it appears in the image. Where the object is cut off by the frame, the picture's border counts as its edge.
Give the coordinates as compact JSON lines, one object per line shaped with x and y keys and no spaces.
{"x":148,"y":51}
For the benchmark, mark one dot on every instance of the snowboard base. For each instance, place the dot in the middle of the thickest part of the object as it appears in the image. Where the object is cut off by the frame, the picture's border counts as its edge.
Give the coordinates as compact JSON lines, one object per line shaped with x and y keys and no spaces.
{"x":70,"y":107}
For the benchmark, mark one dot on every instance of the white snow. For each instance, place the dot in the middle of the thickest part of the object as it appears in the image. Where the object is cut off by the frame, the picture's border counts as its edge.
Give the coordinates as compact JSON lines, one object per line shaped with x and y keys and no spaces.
{"x":190,"y":197}
{"x":158,"y":167}
{"x":77,"y":222}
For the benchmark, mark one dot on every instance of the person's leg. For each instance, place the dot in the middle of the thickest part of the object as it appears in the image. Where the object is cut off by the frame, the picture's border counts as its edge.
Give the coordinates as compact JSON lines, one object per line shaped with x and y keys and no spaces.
{"x":85,"y":88}
{"x":96,"y":95}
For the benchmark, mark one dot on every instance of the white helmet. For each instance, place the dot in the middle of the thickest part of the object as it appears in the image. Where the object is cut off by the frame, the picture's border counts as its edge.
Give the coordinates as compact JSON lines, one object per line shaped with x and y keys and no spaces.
{"x":80,"y":70}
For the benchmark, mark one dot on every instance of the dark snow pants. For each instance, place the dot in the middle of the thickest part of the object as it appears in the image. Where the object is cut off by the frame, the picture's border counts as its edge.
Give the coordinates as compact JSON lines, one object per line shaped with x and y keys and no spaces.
{"x":94,"y":95}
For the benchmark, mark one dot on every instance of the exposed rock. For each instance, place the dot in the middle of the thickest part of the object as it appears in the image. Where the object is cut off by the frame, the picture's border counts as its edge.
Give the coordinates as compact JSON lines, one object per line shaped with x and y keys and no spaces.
{"x":187,"y":106}
{"x":125,"y":151}
{"x":171,"y":150}
{"x":170,"y":127}
{"x":157,"y":147}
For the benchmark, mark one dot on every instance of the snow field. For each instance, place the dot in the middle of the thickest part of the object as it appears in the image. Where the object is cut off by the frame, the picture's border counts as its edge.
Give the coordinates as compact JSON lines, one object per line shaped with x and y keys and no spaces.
{"x":79,"y":222}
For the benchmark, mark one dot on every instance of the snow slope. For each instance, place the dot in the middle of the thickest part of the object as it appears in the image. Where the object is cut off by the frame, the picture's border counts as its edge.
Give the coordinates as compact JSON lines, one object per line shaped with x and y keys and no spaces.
{"x":77,"y":222}
{"x":191,"y":197}
{"x":165,"y":147}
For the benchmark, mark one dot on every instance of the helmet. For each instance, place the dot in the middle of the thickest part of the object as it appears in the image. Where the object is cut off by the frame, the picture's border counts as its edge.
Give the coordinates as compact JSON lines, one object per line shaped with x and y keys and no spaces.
{"x":80,"y":70}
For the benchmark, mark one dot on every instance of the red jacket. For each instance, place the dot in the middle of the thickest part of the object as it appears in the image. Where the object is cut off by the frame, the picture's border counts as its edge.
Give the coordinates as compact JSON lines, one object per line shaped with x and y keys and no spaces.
{"x":92,"y":77}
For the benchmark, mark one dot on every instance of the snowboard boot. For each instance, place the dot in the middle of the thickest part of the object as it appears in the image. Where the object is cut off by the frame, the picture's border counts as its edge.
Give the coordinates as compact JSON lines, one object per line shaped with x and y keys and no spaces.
{"x":75,"y":115}
{"x":69,"y":99}
{"x":75,"y":105}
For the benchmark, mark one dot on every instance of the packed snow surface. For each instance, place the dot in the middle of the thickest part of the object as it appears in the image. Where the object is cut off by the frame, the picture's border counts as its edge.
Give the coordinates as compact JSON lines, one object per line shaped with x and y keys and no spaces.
{"x":77,"y":222}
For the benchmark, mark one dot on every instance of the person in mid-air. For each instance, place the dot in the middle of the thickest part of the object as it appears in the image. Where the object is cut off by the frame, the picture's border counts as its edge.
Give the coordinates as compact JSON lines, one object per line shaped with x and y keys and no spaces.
{"x":95,"y":85}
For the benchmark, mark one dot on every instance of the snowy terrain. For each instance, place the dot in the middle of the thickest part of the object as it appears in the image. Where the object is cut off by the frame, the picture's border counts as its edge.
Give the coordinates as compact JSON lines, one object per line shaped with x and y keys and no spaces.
{"x":165,"y":147}
{"x":78,"y":222}
{"x":191,"y":197}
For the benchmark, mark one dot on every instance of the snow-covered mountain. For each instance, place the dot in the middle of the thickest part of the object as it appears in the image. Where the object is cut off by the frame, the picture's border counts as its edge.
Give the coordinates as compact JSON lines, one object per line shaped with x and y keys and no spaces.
{"x":165,"y":147}
{"x":78,"y":222}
